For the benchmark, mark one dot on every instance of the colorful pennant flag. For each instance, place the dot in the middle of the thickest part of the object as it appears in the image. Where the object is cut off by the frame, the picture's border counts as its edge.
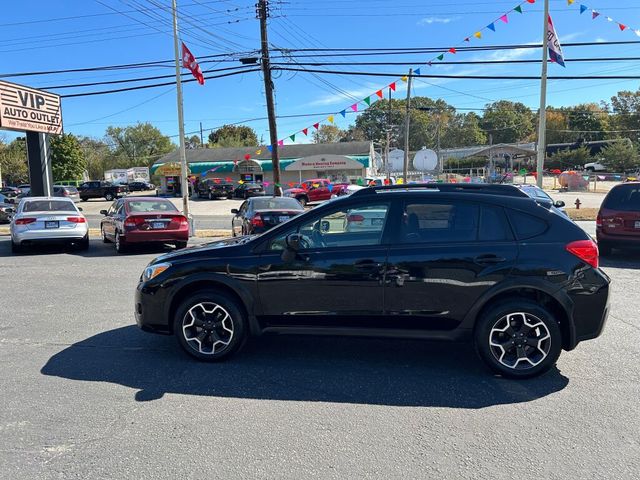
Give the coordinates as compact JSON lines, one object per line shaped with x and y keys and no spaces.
{"x":330,"y":118}
{"x":305,"y":131}
{"x":270,"y":148}
{"x":518,"y":9}
{"x":478,"y":34}
{"x":368,"y":101}
{"x":280,"y":143}
{"x":316,"y":125}
{"x":583,"y":8}
{"x":441,"y":57}
{"x":354,"y":107}
{"x":569,"y":2}
{"x":343,"y":113}
{"x":492,"y":26}
{"x":417,"y":72}
{"x":293,"y":137}
{"x":379,"y":93}
{"x":504,"y":18}
{"x":392,"y":86}
{"x":594,"y":14}
{"x":452,"y":50}
{"x":190,"y":62}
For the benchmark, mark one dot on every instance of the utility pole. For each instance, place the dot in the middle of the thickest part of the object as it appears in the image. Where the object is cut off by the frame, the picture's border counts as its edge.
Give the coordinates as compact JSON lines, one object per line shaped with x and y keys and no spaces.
{"x":407,"y":121}
{"x":438,"y":129}
{"x":201,"y":137}
{"x":184,"y":183}
{"x":542,"y":124}
{"x":262,"y":11}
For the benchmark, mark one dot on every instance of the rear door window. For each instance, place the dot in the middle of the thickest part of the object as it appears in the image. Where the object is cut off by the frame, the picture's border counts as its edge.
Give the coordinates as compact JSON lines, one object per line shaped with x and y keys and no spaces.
{"x":526,"y":226}
{"x":624,"y":198}
{"x":439,"y":222}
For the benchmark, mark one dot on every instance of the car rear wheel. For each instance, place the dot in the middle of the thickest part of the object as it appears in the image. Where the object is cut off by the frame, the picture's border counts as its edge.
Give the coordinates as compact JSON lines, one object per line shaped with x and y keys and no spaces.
{"x":108,"y":197}
{"x":181,"y":245}
{"x":83,"y":244}
{"x":16,"y":247}
{"x":303,"y":201}
{"x":210,"y":326}
{"x":84,"y":199}
{"x":518,"y":339}
{"x":120,"y":244}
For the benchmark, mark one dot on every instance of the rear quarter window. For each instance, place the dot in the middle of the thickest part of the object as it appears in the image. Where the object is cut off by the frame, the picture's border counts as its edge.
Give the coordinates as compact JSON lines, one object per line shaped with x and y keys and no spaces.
{"x":526,"y":226}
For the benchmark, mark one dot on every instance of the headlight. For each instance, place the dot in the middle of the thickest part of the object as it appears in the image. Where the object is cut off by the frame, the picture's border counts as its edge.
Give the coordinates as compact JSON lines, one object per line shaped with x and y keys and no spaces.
{"x":153,"y":271}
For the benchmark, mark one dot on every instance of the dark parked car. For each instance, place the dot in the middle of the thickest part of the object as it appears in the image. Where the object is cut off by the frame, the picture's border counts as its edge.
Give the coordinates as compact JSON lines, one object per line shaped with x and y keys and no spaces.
{"x":543,"y":197}
{"x":618,"y":221}
{"x":259,"y":214}
{"x":10,"y":192}
{"x":214,"y":188}
{"x":7,"y":208}
{"x":66,"y":191}
{"x":448,"y":262}
{"x":101,"y":189}
{"x":143,"y":220}
{"x":140,"y":186}
{"x":247,"y":190}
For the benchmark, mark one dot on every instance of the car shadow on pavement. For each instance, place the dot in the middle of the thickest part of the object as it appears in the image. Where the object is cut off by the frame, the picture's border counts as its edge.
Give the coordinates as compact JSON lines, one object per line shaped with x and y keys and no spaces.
{"x":315,"y":369}
{"x":96,"y":249}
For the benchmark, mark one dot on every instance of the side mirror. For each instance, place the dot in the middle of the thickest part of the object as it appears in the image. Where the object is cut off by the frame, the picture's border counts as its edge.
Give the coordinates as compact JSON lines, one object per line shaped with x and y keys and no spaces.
{"x":234,"y":210}
{"x":103,"y":212}
{"x":9,"y":210}
{"x":559,"y":204}
{"x":80,"y":209}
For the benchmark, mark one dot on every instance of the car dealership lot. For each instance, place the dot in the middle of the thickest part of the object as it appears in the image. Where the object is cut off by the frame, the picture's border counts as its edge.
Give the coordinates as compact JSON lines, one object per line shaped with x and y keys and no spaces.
{"x":85,"y":394}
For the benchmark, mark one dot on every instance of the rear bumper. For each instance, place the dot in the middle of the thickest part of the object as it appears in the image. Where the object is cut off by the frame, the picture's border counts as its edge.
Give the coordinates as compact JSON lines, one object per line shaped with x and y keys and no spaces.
{"x":52,"y":235}
{"x":590,"y":307}
{"x":156,"y":236}
{"x":618,"y":240}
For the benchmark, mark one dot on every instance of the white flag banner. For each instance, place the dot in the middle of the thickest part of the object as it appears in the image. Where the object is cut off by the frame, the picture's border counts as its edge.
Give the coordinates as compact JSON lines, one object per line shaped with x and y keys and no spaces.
{"x":555,"y":50}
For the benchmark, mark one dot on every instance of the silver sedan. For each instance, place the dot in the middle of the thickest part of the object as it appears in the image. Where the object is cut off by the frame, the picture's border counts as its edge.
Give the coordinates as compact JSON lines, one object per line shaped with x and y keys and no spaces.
{"x":48,"y":220}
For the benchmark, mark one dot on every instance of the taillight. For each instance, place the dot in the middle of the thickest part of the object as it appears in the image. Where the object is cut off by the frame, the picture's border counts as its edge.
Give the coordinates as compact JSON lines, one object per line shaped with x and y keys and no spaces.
{"x":133,"y":222}
{"x":76,"y":219}
{"x":178,"y":221}
{"x":25,"y":221}
{"x":585,"y":250}
{"x":355,"y":218}
{"x":257,"y":221}
{"x":599,"y":220}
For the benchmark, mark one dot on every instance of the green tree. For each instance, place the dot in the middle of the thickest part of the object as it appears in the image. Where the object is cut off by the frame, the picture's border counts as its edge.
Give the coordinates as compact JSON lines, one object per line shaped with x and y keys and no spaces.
{"x":568,"y":158}
{"x":192,"y":142}
{"x":620,"y":156}
{"x":626,"y":108}
{"x":508,"y":122}
{"x":138,"y":145}
{"x":233,"y":136}
{"x":588,"y":122}
{"x":13,"y":161}
{"x":328,"y":134}
{"x":463,"y":130}
{"x":353,"y":134}
{"x":67,"y":158}
{"x":98,"y":157}
{"x":557,"y":126}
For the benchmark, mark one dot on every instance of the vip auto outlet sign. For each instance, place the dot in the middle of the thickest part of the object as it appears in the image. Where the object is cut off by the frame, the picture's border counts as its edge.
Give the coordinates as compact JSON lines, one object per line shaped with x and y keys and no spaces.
{"x":27,"y":109}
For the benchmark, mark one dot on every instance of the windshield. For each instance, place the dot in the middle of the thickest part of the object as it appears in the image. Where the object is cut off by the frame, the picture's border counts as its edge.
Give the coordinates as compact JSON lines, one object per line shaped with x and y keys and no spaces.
{"x":145,"y":206}
{"x":49,"y":206}
{"x":277,"y":203}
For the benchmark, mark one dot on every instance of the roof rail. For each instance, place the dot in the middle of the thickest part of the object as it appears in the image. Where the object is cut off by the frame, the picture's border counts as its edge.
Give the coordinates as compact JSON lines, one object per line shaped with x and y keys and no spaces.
{"x":492,"y":189}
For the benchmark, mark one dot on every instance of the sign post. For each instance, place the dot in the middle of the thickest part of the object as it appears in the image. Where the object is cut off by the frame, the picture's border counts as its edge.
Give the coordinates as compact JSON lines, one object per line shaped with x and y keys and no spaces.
{"x":39,"y":114}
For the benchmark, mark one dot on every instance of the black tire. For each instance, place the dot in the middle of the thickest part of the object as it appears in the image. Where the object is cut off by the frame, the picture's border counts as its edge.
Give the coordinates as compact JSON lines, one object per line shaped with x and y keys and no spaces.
{"x":104,"y":236}
{"x":121,"y":246}
{"x":210,"y":196}
{"x":542,"y":352}
{"x":605,"y":249}
{"x":224,"y":314}
{"x":83,"y":244}
{"x":591,"y":169}
{"x":84,"y":199}
{"x":108,"y":197}
{"x":16,"y":248}
{"x":181,"y":245}
{"x":303,"y":201}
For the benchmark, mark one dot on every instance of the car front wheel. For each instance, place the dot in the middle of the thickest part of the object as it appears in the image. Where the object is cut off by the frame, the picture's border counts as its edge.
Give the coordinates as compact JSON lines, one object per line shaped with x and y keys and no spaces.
{"x":518,"y":339}
{"x":119,"y":243}
{"x":108,"y":197}
{"x":210,"y":326}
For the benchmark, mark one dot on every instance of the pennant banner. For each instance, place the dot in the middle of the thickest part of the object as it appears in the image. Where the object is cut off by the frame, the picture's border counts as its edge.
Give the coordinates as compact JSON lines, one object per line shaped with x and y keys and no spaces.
{"x":367,"y":101}
{"x":595,"y":14}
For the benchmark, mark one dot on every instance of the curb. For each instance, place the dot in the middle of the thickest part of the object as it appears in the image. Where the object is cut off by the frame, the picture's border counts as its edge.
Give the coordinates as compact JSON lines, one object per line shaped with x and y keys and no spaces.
{"x":95,"y":233}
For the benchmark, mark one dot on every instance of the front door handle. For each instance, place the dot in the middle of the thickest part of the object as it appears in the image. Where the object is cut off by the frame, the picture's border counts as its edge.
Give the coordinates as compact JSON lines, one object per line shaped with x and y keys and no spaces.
{"x":489,"y":259}
{"x":367,"y":265}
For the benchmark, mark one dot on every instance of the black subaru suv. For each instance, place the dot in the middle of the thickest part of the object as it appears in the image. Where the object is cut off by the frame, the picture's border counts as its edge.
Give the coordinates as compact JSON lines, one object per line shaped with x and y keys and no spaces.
{"x":479,"y":263}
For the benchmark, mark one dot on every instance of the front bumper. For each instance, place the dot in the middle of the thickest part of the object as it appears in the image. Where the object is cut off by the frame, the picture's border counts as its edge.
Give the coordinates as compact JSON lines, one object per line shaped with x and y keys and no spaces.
{"x":150,"y":312}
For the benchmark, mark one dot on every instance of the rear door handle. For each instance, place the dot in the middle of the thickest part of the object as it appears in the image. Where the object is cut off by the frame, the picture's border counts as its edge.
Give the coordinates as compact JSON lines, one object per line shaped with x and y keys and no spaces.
{"x":489,"y":259}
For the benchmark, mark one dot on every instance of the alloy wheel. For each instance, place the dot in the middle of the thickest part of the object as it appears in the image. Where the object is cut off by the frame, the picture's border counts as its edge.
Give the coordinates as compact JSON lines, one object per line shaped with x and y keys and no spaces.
{"x":520,"y":341}
{"x":208,"y":328}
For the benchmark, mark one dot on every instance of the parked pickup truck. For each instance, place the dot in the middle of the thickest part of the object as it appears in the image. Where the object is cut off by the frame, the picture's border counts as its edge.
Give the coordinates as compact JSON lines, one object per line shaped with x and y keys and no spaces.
{"x":310,"y":191}
{"x":214,"y":188}
{"x":101,"y":189}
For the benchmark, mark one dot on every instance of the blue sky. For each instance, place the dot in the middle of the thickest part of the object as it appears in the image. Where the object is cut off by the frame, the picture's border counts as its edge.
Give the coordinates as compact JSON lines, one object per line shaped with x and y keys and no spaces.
{"x":44,"y":35}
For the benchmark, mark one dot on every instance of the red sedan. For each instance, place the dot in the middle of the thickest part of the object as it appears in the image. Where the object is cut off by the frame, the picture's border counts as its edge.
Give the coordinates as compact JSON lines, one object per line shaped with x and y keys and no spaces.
{"x":144,"y":220}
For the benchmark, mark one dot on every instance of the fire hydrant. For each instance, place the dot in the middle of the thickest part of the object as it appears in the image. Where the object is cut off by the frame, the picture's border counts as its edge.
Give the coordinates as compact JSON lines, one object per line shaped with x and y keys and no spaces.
{"x":578,"y":203}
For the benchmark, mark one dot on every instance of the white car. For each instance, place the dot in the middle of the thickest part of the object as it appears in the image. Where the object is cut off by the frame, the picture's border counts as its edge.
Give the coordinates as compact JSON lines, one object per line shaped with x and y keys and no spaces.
{"x":40,"y":220}
{"x":595,"y":167}
{"x":365,"y":220}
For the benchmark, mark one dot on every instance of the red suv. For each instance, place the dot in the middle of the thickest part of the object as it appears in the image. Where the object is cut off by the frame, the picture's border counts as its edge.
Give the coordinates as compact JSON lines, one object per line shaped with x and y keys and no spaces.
{"x":310,"y":191}
{"x":618,"y":222}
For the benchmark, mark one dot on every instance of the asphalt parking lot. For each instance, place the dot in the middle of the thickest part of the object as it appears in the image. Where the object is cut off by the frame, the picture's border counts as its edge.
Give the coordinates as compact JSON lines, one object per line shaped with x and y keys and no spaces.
{"x":85,"y":394}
